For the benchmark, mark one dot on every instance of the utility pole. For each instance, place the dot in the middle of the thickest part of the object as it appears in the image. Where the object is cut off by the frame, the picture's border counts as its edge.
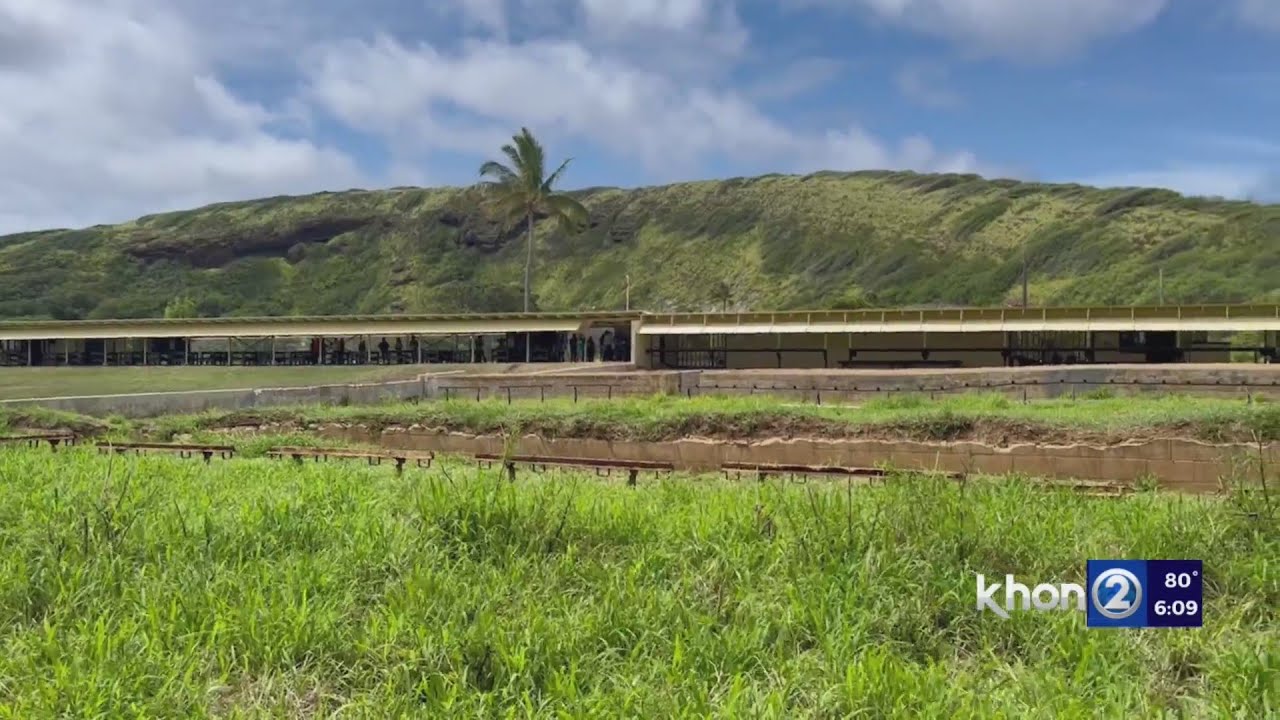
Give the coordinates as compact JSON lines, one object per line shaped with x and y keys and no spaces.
{"x":1161,"y":285}
{"x":1024,"y":277}
{"x":628,"y":300}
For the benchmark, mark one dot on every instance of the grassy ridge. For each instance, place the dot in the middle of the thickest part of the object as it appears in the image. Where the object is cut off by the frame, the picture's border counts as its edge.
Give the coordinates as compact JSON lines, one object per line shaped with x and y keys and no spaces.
{"x":157,"y":586}
{"x":824,"y":240}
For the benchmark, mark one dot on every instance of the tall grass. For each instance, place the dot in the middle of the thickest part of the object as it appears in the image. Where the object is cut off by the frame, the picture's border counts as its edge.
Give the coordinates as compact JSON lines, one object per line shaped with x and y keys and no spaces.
{"x":249,"y":588}
{"x":663,"y":417}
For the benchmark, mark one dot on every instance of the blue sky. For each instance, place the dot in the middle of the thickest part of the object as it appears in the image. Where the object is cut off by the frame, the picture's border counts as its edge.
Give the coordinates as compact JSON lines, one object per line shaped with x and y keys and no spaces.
{"x":118,"y":108}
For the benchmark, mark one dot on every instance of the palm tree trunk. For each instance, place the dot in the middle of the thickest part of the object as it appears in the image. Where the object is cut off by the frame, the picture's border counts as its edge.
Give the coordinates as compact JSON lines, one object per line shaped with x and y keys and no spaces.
{"x":528,"y":265}
{"x":528,"y":261}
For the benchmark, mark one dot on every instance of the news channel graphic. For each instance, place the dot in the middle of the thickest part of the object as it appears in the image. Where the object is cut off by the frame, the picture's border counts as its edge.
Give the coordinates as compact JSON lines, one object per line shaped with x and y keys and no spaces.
{"x":1146,"y":593}
{"x":1117,"y":594}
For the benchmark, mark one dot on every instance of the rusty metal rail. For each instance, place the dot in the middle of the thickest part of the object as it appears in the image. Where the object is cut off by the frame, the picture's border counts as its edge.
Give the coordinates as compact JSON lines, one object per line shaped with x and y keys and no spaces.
{"x":540,"y":463}
{"x":206,"y":451}
{"x":374,"y":457}
{"x":764,"y":470}
{"x":34,"y":440}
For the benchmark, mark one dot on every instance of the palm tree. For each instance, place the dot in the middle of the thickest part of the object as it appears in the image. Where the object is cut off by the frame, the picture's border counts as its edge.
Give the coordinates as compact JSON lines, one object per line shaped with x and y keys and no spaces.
{"x":519,"y":191}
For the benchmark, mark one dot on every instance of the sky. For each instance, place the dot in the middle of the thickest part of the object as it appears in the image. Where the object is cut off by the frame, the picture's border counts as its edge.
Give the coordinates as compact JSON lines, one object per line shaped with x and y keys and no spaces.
{"x":112,"y":109}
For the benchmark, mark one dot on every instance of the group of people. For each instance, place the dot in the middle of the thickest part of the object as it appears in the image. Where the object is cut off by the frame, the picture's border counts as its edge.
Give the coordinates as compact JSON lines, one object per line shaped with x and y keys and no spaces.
{"x":610,"y":347}
{"x":583,"y":348}
{"x":341,"y":356}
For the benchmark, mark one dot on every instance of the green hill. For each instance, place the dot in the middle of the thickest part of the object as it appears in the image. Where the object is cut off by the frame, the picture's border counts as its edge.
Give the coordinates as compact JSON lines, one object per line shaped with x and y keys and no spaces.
{"x":824,"y":240}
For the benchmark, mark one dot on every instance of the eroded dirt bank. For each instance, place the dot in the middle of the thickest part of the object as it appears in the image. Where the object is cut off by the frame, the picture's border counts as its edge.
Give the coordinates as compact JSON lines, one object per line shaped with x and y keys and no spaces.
{"x":1172,"y":463}
{"x":998,"y":432}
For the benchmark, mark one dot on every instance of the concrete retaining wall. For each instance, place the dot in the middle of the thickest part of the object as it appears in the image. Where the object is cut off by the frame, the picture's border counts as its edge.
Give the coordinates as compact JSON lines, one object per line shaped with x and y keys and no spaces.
{"x":1237,"y":380}
{"x":543,"y":386}
{"x":827,"y":386}
{"x":188,"y":402}
{"x":1181,"y":465}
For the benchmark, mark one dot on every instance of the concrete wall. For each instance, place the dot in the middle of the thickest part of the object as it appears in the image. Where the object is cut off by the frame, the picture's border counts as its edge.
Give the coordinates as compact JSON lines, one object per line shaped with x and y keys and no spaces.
{"x":826,"y":386}
{"x":178,"y":403}
{"x":1181,"y":465}
{"x":539,"y":387}
{"x":1036,"y":382}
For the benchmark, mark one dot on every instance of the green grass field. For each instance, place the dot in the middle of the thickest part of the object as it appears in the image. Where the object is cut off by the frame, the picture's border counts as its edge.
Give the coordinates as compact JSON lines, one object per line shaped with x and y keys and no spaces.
{"x":146,"y":587}
{"x":666,"y":417}
{"x":972,"y":415}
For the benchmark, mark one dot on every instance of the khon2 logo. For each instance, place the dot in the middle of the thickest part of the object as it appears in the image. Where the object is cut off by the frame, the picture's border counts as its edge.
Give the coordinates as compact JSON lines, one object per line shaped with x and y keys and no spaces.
{"x":1118,"y":594}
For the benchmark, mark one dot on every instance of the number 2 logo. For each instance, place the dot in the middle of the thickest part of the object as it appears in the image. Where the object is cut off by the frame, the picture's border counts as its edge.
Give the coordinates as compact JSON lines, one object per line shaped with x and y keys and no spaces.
{"x":1118,"y":605}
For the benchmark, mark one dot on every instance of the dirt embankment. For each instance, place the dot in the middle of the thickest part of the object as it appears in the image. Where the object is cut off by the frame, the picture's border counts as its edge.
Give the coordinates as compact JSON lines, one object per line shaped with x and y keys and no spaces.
{"x":998,"y":432}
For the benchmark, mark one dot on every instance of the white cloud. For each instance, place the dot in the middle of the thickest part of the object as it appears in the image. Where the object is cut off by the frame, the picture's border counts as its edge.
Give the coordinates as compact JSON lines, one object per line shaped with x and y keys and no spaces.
{"x":1032,"y":30}
{"x":485,"y":15}
{"x":794,"y":78}
{"x":117,"y":108}
{"x":1262,"y":14}
{"x":562,"y":88}
{"x":1241,"y":144}
{"x":110,"y":113}
{"x":663,"y":14}
{"x":925,"y":83}
{"x":1240,"y":182}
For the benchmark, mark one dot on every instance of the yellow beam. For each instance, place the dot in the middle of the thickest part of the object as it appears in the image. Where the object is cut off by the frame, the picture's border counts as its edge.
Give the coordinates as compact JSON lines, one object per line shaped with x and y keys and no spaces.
{"x":249,"y":328}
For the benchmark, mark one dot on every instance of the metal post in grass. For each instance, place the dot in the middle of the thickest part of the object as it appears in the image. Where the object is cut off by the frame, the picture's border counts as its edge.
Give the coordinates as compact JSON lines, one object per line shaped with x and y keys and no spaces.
{"x":575,"y":394}
{"x":508,"y":394}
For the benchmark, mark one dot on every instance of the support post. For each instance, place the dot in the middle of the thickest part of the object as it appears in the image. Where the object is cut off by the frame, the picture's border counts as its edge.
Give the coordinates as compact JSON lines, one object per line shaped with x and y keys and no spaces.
{"x":66,"y":353}
{"x":417,"y":342}
{"x":29,"y":352}
{"x":228,"y":352}
{"x":186,"y":351}
{"x":273,"y":349}
{"x":106,"y":343}
{"x":145,"y":342}
{"x":528,"y":347}
{"x":473,"y":349}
